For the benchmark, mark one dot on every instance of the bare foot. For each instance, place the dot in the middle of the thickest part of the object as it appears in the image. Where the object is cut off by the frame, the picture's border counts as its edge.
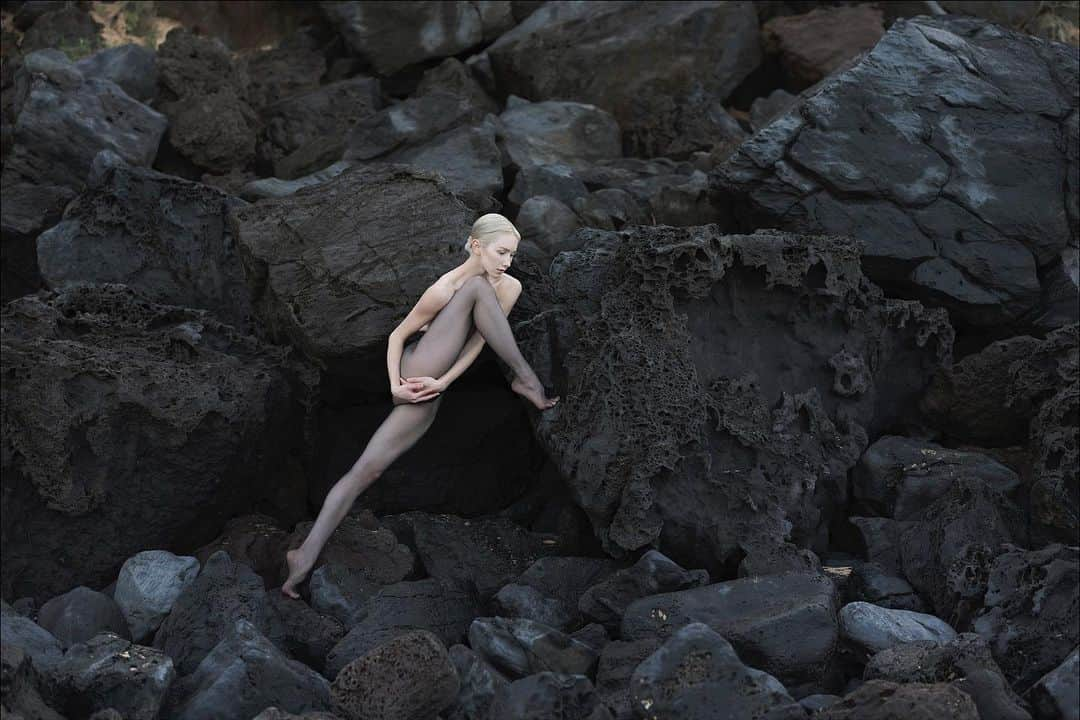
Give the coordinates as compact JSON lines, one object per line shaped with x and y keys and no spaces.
{"x":299,"y":566}
{"x":534,"y":393}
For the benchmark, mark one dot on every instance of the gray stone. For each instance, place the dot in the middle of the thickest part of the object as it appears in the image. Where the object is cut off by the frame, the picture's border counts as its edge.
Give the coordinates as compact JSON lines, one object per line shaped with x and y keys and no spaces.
{"x":694,"y":670}
{"x":132,"y":67}
{"x":546,"y":695}
{"x":874,"y":628}
{"x":80,"y":614}
{"x":148,"y":586}
{"x":523,"y":601}
{"x":478,"y":683}
{"x":34,"y":641}
{"x":1055,"y":695}
{"x":342,"y":592}
{"x":521,"y":647}
{"x":556,"y":133}
{"x":110,"y":672}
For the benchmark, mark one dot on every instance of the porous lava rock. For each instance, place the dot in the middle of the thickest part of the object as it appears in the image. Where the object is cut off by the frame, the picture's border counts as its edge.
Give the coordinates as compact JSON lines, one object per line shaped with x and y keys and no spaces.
{"x":936,"y":150}
{"x":133,"y":425}
{"x":334,"y":268}
{"x":884,"y":700}
{"x":717,"y":388}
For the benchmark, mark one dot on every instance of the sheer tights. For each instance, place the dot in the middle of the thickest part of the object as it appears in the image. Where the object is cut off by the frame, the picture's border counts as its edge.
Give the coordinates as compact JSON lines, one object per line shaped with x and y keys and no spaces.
{"x":474,"y":304}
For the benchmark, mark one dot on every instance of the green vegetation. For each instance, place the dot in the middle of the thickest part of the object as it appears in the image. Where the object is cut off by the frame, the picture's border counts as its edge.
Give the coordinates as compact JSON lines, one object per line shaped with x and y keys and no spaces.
{"x":77,"y":48}
{"x":139,"y":22}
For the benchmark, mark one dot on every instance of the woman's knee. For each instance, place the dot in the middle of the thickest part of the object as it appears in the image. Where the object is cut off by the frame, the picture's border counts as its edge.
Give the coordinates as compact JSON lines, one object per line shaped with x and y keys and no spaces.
{"x":479,"y":284}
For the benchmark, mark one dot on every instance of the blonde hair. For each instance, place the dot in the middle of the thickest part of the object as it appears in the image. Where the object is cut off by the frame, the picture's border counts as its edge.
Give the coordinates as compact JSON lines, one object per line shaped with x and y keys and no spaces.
{"x":487,"y":227}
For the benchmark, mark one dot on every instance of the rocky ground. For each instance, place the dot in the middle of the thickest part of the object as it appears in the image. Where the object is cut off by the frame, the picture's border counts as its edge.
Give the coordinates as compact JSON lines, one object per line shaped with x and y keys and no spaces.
{"x":805,"y":275}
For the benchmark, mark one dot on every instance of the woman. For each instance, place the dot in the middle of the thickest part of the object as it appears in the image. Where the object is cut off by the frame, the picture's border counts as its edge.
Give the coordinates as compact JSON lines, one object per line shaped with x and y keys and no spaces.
{"x":476,"y":293}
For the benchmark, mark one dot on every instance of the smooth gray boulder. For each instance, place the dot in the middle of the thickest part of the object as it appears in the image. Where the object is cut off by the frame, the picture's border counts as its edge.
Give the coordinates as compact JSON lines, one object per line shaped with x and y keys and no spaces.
{"x":342,"y":592}
{"x":556,"y":133}
{"x":36,"y":642}
{"x":110,"y":672}
{"x":242,"y":675}
{"x":478,"y":684}
{"x":875,"y":628}
{"x":1056,"y":694}
{"x":785,"y":625}
{"x":695,"y":670}
{"x":80,"y":614}
{"x":147,"y":587}
{"x":65,"y":119}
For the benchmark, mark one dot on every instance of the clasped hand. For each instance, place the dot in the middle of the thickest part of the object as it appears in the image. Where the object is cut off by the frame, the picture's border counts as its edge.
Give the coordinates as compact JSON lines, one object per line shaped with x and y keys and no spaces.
{"x":418,"y":389}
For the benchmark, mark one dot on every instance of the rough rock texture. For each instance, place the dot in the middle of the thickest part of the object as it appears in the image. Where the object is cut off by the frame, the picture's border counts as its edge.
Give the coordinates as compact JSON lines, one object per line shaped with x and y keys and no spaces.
{"x":341,"y":592}
{"x":616,"y":666}
{"x":484,"y":553}
{"x":244,"y":674}
{"x":300,"y":631}
{"x":166,"y":237}
{"x":522,"y":601}
{"x":652,"y":574}
{"x":478,"y":683}
{"x":1049,"y":379}
{"x":813,"y":45}
{"x":716,"y":389}
{"x":1055,"y":694}
{"x":548,"y":695}
{"x":63,"y":119}
{"x":1031,"y":613}
{"x":783,"y":624}
{"x":566,"y":578}
{"x":132,"y":425}
{"x":871,"y":583}
{"x":302,"y":128}
{"x":883,"y":700}
{"x":964,"y":661}
{"x":37,"y":643}
{"x":256,"y":540}
{"x":410,"y":676}
{"x":26,"y":211}
{"x":133,"y":67}
{"x":874,"y":628}
{"x":694,"y":669}
{"x":224,"y":592}
{"x":556,"y":133}
{"x":62,"y":25}
{"x":80,"y":614}
{"x":649,"y":64}
{"x":392,"y":36}
{"x":22,"y":685}
{"x":520,"y":647}
{"x":110,"y":672}
{"x":947,"y":554}
{"x":360,"y":543}
{"x":898,"y":476}
{"x":334,"y":268}
{"x":294,"y":67}
{"x":148,"y":585}
{"x":430,"y":604}
{"x":936,"y":149}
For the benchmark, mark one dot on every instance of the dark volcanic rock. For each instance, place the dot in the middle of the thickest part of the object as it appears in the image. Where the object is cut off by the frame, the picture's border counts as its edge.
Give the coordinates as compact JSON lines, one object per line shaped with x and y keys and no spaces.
{"x":616,"y":666}
{"x":111,"y":672}
{"x":812,"y":46}
{"x":785,"y":625}
{"x":26,"y":211}
{"x":522,"y":601}
{"x":767,"y":358}
{"x":566,"y":578}
{"x":22,"y":686}
{"x":653,"y":574}
{"x":148,"y":586}
{"x":133,"y":425}
{"x":297,"y":629}
{"x":520,"y":647}
{"x":485,"y":553}
{"x":1055,"y":695}
{"x":255,"y":540}
{"x":164,"y":236}
{"x":964,"y":661}
{"x":36,"y":642}
{"x":883,"y":700}
{"x":478,"y":683}
{"x":947,"y":554}
{"x":133,"y":67}
{"x":548,"y":696}
{"x":360,"y":543}
{"x":63,"y":119}
{"x":898,"y":476}
{"x":410,"y":676}
{"x":429,"y":604}
{"x":873,"y":629}
{"x":329,"y":291}
{"x":1031,"y":613}
{"x":244,"y":674}
{"x":80,"y":614}
{"x":938,"y":152}
{"x":662,"y":97}
{"x":694,"y":669}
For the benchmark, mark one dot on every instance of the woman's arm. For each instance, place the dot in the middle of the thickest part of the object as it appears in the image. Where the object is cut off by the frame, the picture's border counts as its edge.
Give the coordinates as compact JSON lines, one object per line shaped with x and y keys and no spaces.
{"x":475,"y":343}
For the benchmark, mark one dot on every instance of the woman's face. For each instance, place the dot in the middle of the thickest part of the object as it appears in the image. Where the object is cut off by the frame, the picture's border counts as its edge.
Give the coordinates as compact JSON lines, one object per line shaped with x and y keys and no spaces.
{"x":496,"y":256}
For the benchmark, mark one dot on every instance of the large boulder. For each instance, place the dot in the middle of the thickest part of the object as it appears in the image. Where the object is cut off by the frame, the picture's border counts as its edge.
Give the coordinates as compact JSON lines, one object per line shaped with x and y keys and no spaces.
{"x":391,"y":36}
{"x":521,"y":647}
{"x":785,"y":624}
{"x":940,"y":154}
{"x":697,"y":668}
{"x":659,"y":68}
{"x":80,"y":614}
{"x":548,"y":695}
{"x":111,"y":672}
{"x":767,"y":358}
{"x":132,"y":66}
{"x":1054,"y":695}
{"x":147,"y":587}
{"x":335,"y":267}
{"x":64,"y":119}
{"x":27,"y":210}
{"x":652,"y":574}
{"x":873,"y":628}
{"x":811,"y":46}
{"x":166,"y":237}
{"x":1031,"y":612}
{"x":884,"y":700}
{"x":24,"y":686}
{"x":133,"y":425}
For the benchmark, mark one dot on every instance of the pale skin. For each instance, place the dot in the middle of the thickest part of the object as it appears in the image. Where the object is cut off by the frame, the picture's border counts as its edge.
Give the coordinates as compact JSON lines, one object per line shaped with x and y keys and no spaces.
{"x":477,"y":296}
